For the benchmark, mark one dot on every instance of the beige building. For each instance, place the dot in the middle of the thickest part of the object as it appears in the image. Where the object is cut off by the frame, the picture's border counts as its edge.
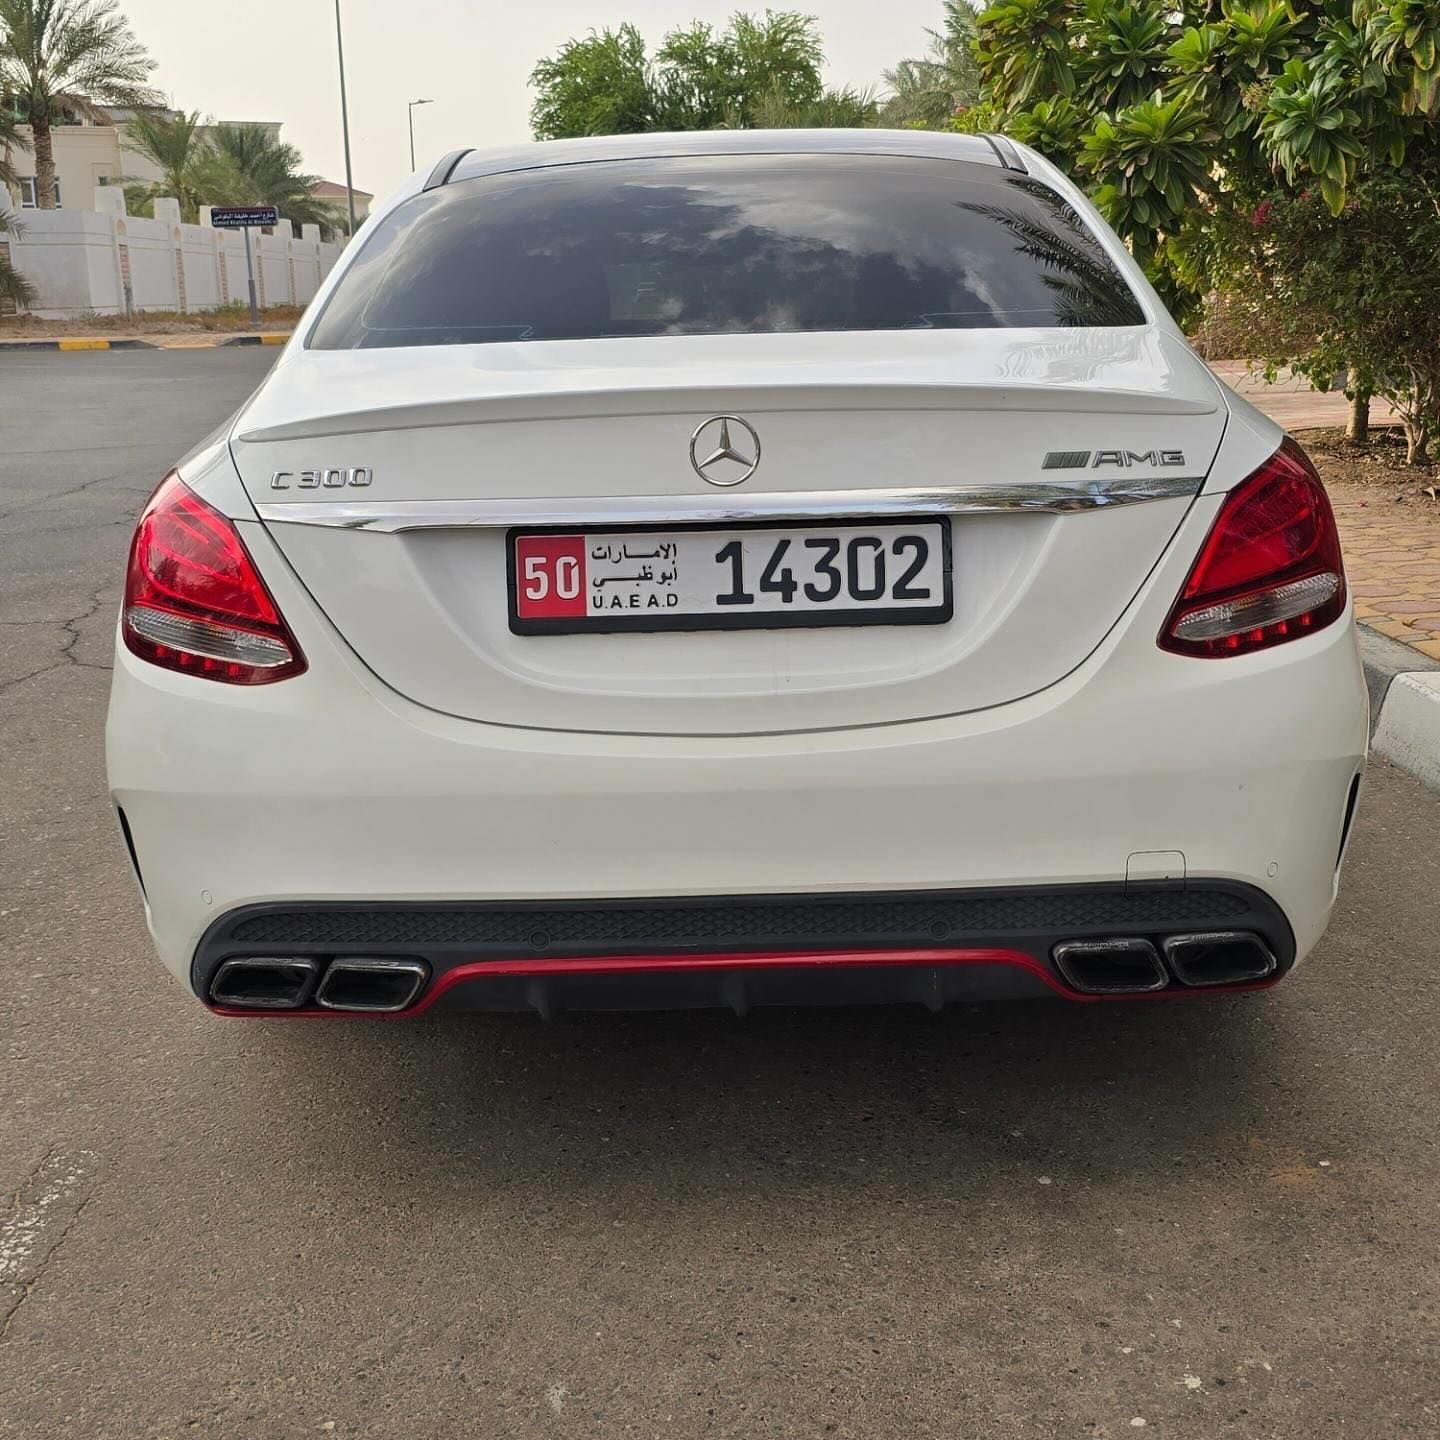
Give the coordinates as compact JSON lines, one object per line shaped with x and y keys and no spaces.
{"x":88,"y":155}
{"x":332,"y":197}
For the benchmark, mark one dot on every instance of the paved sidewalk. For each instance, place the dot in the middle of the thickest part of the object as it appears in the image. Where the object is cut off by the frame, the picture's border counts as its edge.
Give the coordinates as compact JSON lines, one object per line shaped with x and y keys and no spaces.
{"x":1292,"y":403}
{"x":1392,"y":562}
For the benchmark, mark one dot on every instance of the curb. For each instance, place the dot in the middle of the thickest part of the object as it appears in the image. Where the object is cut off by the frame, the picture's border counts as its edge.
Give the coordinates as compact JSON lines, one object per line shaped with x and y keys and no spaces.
{"x":1404,"y":705}
{"x":131,"y":343}
{"x":78,"y":344}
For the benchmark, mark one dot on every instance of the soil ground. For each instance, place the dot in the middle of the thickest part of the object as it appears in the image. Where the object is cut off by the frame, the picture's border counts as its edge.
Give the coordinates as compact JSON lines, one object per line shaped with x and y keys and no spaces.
{"x":234,"y":318}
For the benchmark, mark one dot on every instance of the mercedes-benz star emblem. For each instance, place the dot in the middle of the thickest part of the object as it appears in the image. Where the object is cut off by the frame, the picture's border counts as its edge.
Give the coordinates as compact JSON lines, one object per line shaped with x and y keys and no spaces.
{"x":717,"y":457}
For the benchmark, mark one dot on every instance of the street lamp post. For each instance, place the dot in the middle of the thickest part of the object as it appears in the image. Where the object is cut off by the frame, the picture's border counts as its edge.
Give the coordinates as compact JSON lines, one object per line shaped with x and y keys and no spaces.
{"x":345,"y":119}
{"x":410,"y":112}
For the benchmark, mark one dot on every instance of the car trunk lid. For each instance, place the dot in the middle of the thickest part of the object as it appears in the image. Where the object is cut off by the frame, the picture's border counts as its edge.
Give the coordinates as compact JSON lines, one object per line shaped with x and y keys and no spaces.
{"x":392,"y":479}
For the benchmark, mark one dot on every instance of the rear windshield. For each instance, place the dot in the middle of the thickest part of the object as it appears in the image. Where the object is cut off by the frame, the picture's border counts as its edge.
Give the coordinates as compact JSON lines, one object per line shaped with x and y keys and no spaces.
{"x":725,"y":245}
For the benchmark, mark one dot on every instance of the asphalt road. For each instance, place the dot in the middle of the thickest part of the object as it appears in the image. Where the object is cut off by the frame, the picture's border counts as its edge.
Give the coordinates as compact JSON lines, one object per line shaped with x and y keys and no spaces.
{"x":1207,"y":1219}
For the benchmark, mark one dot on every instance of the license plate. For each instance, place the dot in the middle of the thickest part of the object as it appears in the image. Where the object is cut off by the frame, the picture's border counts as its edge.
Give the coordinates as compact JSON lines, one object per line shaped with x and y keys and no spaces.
{"x":705,"y":577}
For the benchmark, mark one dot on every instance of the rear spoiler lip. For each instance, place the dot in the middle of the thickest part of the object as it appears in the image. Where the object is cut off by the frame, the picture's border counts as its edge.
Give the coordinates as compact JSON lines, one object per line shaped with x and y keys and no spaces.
{"x":685,"y":398}
{"x":1141,"y":370}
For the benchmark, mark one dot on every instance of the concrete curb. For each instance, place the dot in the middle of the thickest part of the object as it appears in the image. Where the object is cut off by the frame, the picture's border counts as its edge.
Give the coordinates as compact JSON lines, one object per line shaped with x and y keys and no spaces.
{"x":1404,"y":705}
{"x":159,"y":342}
{"x":78,"y":343}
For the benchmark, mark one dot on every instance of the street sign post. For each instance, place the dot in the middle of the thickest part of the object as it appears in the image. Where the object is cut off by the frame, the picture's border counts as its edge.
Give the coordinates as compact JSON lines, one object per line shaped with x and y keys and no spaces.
{"x":246,"y":218}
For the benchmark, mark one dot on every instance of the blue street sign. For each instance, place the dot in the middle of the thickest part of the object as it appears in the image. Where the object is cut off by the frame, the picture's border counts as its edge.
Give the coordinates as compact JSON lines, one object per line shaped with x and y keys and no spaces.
{"x":243,"y":217}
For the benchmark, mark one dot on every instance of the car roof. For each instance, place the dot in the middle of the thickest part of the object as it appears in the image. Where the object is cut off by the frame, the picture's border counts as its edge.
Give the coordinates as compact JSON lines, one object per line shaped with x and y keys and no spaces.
{"x":469,"y":164}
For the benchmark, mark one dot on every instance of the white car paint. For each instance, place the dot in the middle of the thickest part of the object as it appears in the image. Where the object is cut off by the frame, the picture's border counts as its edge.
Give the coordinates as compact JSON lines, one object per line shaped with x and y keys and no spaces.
{"x":1041,"y":737}
{"x":613,"y":423}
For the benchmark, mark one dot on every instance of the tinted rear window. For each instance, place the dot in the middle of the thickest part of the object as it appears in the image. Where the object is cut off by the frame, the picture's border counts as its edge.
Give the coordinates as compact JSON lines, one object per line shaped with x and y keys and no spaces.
{"x":725,"y":245}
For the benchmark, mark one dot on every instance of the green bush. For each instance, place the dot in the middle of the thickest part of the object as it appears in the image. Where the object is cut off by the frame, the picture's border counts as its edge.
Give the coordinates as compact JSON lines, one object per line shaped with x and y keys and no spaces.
{"x":1183,"y":117}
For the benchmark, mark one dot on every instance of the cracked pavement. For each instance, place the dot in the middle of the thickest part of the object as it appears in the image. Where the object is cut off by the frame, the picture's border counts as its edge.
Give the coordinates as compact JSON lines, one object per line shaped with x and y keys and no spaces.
{"x":1025,"y":1220}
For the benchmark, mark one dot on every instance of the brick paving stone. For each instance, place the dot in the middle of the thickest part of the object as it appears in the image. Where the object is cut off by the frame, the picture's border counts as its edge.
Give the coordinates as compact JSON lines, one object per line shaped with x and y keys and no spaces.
{"x":1291,"y":402}
{"x":1392,"y":562}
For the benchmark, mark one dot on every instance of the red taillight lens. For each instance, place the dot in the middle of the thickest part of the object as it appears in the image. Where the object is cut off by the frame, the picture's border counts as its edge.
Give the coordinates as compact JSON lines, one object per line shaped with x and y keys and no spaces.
{"x":1270,"y":570}
{"x":194,"y":601}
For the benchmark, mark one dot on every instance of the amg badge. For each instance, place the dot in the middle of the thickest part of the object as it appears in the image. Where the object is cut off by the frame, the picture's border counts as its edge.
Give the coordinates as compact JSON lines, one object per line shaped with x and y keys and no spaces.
{"x":1125,"y":459}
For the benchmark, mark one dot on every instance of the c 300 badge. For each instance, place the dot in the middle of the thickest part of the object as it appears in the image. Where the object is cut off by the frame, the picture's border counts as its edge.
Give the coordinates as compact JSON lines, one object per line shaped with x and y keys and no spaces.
{"x":335,"y":479}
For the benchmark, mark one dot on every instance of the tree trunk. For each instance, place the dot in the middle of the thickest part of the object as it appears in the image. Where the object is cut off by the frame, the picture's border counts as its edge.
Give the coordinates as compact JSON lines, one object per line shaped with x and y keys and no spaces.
{"x":1357,"y":430}
{"x":1417,"y":442}
{"x":44,"y":163}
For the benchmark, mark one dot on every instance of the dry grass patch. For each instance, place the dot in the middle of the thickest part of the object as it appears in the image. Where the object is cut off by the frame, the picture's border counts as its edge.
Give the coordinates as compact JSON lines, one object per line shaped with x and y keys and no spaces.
{"x":232,"y":319}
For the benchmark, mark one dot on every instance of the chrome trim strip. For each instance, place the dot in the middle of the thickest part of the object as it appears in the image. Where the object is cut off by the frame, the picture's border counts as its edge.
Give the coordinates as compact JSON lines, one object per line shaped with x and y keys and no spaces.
{"x":1046,"y":497}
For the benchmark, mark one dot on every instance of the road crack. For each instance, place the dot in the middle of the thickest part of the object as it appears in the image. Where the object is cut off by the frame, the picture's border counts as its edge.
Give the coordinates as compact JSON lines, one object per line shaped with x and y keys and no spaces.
{"x":70,"y":631}
{"x":71,"y":626}
{"x":33,"y":1235}
{"x":57,"y":495}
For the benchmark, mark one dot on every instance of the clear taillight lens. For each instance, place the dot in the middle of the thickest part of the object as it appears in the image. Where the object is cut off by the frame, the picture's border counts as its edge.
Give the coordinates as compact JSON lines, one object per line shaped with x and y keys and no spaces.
{"x":1270,"y":570}
{"x":194,"y":601}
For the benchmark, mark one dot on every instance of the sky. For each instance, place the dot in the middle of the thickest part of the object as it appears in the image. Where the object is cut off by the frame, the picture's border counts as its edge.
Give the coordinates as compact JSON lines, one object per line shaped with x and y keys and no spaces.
{"x":275,"y":60}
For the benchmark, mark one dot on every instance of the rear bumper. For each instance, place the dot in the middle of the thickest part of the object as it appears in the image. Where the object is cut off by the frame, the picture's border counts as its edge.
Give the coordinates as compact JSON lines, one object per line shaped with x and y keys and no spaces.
{"x":332,"y":789}
{"x":926,"y":947}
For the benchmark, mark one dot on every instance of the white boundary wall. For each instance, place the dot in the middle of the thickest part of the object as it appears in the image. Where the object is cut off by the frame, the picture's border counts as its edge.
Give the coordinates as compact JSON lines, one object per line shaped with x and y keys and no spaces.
{"x":105,"y":262}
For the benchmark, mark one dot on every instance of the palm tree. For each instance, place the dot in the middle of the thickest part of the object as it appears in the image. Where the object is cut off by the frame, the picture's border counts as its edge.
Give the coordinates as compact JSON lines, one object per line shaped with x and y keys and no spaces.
{"x":835,"y":108}
{"x":13,"y":286}
{"x":63,"y":58}
{"x":927,"y":92}
{"x":176,"y":146}
{"x":269,"y":170}
{"x":10,"y":139}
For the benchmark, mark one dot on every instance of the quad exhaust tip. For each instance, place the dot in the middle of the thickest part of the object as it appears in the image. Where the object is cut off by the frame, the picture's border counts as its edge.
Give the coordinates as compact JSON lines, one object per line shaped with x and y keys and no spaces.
{"x":1132,"y":966}
{"x":264,"y":983}
{"x":375,"y":986}
{"x":1220,"y":957}
{"x":1111,"y":967}
{"x":355,"y":983}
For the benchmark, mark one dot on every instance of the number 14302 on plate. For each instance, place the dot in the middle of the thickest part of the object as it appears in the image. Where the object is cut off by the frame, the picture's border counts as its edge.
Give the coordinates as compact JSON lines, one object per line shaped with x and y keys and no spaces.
{"x":701,"y":577}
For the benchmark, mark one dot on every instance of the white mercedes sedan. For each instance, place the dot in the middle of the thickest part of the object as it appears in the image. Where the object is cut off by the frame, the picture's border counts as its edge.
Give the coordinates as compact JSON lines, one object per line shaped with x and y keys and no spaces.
{"x":735,"y":569}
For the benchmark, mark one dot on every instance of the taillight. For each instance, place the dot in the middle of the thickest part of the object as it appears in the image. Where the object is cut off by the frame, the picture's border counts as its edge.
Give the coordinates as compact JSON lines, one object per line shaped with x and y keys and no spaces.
{"x":1270,"y":570}
{"x":194,"y":601}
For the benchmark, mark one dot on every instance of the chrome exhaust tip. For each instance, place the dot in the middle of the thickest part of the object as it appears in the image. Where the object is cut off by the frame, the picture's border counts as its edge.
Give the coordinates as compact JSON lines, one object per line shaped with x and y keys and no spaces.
{"x":1220,"y":957}
{"x":264,"y":982}
{"x":377,"y":987}
{"x":1110,"y":967}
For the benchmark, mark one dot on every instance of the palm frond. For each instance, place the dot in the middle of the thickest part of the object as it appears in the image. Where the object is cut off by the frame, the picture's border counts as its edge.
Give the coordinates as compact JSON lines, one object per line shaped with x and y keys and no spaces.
{"x":1076,"y":272}
{"x":836,"y":108}
{"x":176,"y":146}
{"x":927,"y":90}
{"x":73,"y":53}
{"x":10,"y":140}
{"x":270,"y":168}
{"x":14,"y":287}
